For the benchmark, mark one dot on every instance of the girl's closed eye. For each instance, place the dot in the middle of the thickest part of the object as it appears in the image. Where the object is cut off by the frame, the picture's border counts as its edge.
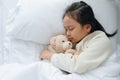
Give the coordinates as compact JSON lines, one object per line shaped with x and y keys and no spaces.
{"x":71,"y":28}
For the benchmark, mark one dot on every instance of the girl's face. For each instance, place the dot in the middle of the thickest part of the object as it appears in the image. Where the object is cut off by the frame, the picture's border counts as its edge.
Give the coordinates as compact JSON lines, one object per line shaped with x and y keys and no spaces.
{"x":74,"y":30}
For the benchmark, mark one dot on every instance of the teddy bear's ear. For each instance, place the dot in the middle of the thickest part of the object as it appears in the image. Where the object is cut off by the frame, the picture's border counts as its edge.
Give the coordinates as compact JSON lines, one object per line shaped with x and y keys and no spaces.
{"x":52,"y":41}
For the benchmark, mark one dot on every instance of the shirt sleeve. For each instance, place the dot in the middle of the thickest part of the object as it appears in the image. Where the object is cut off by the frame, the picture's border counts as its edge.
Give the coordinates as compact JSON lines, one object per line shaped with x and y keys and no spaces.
{"x":96,"y":52}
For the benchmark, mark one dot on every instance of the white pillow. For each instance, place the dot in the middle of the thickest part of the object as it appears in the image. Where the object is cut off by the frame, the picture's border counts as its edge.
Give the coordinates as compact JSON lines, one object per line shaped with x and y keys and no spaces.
{"x":39,"y":20}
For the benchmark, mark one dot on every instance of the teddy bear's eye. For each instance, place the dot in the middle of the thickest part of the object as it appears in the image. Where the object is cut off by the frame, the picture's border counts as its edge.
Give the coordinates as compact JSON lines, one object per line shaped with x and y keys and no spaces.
{"x":63,"y":41}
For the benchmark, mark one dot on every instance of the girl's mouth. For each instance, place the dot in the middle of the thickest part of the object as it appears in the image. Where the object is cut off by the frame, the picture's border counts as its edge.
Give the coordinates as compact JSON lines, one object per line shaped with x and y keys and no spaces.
{"x":70,"y":39}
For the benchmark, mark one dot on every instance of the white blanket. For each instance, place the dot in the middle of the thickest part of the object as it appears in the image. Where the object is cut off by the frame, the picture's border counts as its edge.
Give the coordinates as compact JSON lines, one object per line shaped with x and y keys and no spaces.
{"x":35,"y":71}
{"x":46,"y":71}
{"x":22,"y":63}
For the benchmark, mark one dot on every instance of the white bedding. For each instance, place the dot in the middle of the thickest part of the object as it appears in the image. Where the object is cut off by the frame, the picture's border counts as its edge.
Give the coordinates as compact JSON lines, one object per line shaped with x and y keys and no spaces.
{"x":19,"y":60}
{"x":46,"y":71}
{"x":19,"y":51}
{"x":27,"y":65}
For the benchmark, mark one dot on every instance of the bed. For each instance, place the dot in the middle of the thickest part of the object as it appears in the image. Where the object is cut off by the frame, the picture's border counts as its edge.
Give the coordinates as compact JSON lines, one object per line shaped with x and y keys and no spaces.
{"x":26,"y":27}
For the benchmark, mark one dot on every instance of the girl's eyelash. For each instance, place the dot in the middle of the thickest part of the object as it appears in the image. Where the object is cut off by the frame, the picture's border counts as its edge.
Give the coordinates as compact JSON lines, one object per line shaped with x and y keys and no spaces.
{"x":71,"y":28}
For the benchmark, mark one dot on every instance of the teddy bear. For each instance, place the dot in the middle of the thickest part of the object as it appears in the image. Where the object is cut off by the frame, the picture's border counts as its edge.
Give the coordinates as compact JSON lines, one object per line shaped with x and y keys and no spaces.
{"x":60,"y":44}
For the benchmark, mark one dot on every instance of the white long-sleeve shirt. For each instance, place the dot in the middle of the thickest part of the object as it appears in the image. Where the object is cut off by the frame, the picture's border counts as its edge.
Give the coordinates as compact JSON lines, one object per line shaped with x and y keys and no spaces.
{"x":94,"y":49}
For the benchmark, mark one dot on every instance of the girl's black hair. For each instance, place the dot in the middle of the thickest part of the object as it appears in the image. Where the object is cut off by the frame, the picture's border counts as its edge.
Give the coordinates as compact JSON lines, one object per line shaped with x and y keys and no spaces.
{"x":83,"y":13}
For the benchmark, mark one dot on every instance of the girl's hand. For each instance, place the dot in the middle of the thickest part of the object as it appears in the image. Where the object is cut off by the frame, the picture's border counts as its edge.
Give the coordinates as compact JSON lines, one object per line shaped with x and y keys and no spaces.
{"x":46,"y":55}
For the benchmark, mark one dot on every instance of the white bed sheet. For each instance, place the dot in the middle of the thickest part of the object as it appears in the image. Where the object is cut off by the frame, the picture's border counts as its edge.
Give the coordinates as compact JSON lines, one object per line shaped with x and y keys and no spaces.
{"x":19,"y":51}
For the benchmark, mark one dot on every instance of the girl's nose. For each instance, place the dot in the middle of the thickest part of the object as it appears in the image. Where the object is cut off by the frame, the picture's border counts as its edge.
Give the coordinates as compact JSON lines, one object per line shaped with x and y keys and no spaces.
{"x":68,"y":33}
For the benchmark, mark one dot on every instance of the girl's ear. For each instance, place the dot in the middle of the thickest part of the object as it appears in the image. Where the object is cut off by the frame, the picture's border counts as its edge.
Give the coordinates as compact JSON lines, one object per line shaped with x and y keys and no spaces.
{"x":88,"y":27}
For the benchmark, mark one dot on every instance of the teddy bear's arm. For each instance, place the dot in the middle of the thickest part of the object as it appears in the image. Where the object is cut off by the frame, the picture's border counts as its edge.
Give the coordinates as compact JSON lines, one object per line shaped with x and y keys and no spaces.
{"x":77,"y":53}
{"x":71,"y":51}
